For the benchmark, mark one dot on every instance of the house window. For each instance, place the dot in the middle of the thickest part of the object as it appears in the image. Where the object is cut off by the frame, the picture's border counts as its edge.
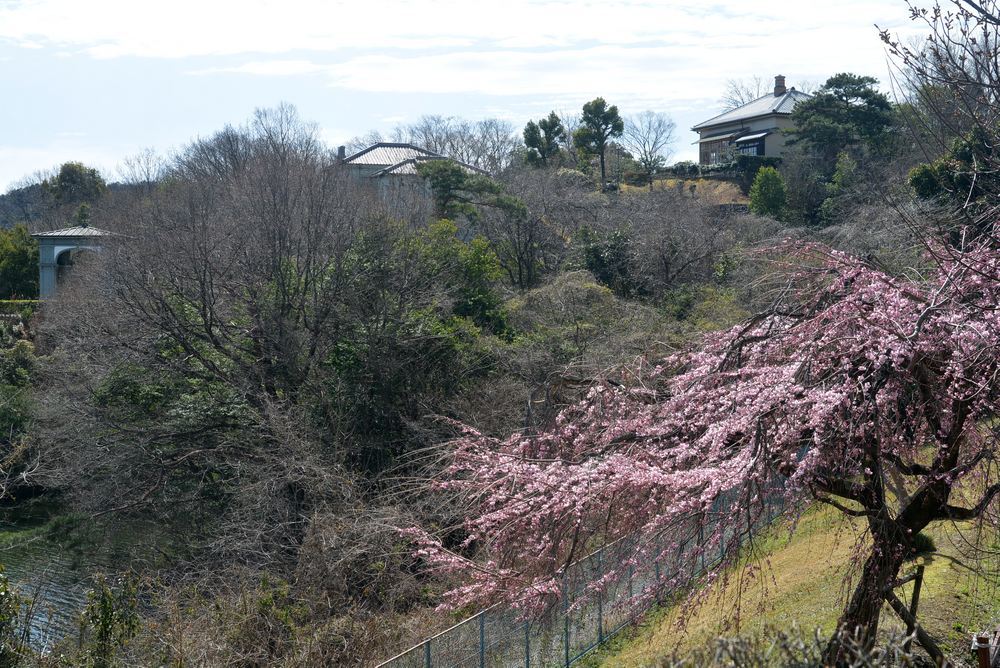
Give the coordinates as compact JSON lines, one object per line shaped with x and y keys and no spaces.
{"x":715,"y":152}
{"x":751,"y":148}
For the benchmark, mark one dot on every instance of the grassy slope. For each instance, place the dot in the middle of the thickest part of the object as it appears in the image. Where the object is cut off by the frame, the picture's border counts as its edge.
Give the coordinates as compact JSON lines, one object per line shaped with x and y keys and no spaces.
{"x":802,"y":583}
{"x":711,"y":190}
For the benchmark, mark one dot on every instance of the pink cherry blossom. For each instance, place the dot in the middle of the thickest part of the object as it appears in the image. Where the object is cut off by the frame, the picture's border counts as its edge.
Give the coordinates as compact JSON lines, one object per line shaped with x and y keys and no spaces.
{"x":827,"y":396}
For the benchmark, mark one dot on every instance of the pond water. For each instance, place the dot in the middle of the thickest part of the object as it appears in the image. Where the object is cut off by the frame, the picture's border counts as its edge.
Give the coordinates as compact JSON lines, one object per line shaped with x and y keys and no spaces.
{"x":55,"y":579}
{"x":54,"y":570}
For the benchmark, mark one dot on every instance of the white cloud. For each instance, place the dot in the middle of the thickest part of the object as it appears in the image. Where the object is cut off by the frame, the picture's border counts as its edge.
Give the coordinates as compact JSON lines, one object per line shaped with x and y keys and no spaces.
{"x":638,"y":50}
{"x":185,"y":28}
{"x":513,"y":59}
{"x":280,"y":68}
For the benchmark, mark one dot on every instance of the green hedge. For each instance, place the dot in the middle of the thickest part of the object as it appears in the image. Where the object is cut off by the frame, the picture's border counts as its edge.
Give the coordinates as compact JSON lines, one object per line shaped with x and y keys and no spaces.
{"x":23,"y":307}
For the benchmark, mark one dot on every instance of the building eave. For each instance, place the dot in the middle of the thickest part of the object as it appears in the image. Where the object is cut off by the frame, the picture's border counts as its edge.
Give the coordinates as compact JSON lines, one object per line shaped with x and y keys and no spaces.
{"x":707,"y":125}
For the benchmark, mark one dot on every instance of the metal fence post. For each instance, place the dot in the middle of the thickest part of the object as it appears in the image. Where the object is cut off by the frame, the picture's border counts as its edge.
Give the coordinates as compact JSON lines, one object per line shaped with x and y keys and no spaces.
{"x":565,"y":588}
{"x":701,"y":546}
{"x":427,"y":654}
{"x":527,"y":645}
{"x":680,"y":554}
{"x":600,"y":600}
{"x":482,"y":639}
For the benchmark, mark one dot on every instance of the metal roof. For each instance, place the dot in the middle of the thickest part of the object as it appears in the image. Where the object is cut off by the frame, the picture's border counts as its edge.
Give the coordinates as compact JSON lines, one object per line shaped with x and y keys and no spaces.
{"x":387,"y":154}
{"x":756,"y":135}
{"x":409,"y":167}
{"x":762,"y":106}
{"x":78,"y":231}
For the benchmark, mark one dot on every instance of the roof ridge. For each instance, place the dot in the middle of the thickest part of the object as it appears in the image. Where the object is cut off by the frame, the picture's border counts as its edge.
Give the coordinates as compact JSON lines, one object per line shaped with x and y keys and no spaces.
{"x":426,"y":158}
{"x":62,"y":232}
{"x":779,"y":100}
{"x":390,"y":144}
{"x":729,"y":111}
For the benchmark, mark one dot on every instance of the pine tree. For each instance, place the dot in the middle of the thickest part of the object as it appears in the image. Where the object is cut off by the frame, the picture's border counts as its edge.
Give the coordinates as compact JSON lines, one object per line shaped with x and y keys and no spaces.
{"x":543,"y":139}
{"x":599,"y":124}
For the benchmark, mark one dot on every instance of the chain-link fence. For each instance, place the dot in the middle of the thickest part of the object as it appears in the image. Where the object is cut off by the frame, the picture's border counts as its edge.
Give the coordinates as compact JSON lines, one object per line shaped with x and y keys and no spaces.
{"x":586,"y":616}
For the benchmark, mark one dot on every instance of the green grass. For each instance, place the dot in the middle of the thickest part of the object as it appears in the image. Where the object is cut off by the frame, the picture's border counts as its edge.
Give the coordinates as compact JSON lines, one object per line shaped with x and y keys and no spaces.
{"x":801,"y":583}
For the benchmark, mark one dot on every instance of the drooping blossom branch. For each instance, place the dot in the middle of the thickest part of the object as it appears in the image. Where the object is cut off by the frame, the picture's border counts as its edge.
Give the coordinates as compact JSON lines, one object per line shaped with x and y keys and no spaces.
{"x":861,"y":390}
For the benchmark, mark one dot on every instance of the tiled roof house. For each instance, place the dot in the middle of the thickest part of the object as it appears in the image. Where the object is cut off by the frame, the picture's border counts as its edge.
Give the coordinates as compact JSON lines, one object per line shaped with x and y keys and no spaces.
{"x":387,"y":159}
{"x":391,"y":169}
{"x":753,"y":129}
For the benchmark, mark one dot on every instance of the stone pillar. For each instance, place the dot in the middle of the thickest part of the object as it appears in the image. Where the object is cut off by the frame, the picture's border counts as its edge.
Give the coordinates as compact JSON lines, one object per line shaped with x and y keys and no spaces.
{"x":47,"y":268}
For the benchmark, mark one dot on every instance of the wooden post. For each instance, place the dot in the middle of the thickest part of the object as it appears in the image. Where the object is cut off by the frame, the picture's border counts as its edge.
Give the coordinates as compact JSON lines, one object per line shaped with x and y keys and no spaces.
{"x":981,"y":645}
{"x":922,"y":637}
{"x":914,"y":600}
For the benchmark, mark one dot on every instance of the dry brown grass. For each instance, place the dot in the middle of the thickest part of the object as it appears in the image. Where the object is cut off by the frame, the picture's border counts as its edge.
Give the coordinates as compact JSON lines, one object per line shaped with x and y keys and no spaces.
{"x":710,"y":191}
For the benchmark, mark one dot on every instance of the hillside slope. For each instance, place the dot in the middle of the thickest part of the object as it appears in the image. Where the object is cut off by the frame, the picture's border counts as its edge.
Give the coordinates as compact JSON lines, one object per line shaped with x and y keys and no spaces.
{"x":803,"y":584}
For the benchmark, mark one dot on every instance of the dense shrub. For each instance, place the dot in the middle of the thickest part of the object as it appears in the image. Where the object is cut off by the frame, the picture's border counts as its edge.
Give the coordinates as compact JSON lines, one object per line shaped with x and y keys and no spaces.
{"x":749,"y":165}
{"x":612,"y":258}
{"x":767,"y":194}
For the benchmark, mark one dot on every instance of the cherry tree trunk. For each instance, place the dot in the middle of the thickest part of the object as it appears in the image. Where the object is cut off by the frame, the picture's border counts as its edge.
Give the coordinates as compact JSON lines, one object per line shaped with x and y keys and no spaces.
{"x":861,"y":617}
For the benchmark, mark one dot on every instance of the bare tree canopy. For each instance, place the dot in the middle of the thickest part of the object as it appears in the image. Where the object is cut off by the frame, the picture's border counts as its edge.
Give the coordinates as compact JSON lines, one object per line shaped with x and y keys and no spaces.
{"x":489,"y":144}
{"x":648,"y":137}
{"x":740,"y":91}
{"x":952,"y":78}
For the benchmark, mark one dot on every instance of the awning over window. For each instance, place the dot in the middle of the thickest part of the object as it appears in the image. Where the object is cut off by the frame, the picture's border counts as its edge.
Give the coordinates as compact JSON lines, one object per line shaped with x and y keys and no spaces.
{"x":726,"y":135}
{"x":753,"y":137}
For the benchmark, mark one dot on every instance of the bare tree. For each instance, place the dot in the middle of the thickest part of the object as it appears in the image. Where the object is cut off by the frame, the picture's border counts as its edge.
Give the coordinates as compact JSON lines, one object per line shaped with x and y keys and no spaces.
{"x":489,"y":144}
{"x":497,"y":144}
{"x":251,"y":269}
{"x":740,"y":91}
{"x":142,"y":170}
{"x":953,"y":81}
{"x":648,"y":137}
{"x":571,"y":122}
{"x":361,"y":142}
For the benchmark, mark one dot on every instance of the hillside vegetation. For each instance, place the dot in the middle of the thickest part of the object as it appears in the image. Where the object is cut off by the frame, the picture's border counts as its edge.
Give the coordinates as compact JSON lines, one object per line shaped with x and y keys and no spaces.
{"x":801,"y":586}
{"x":288,"y":414}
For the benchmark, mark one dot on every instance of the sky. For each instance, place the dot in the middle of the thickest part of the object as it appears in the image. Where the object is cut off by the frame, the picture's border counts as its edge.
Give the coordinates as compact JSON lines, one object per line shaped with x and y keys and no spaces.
{"x":99,"y":81}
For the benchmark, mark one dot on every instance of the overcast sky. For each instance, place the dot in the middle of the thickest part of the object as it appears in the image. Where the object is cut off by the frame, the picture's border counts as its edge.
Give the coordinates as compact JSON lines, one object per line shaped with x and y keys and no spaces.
{"x":100,"y":80}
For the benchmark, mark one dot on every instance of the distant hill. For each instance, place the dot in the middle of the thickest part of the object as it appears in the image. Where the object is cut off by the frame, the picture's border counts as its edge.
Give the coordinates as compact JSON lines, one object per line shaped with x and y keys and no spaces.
{"x":23,"y":205}
{"x":31,"y":203}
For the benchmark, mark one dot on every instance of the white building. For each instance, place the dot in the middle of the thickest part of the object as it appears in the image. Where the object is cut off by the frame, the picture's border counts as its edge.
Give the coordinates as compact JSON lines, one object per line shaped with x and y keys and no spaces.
{"x":753,"y":129}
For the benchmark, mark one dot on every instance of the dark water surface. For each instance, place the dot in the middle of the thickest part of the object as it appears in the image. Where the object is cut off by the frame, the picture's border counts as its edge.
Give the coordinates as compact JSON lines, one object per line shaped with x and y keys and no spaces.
{"x":52,"y":566}
{"x":56,"y":580}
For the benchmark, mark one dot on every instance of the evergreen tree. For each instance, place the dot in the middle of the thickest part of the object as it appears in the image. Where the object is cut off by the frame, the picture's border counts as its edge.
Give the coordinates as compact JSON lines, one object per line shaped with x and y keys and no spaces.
{"x":841,"y":191}
{"x":458,"y":193}
{"x":600,"y":123}
{"x":18,"y":264}
{"x":959,"y":176}
{"x":847,"y":111}
{"x":75,"y":183}
{"x":767,"y":194}
{"x":543,"y":139}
